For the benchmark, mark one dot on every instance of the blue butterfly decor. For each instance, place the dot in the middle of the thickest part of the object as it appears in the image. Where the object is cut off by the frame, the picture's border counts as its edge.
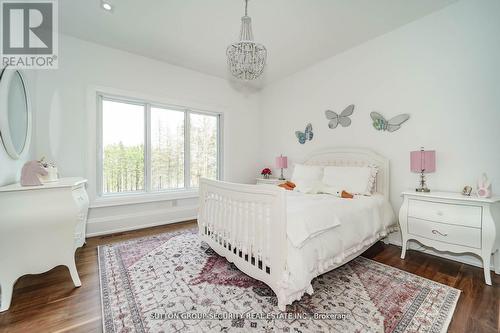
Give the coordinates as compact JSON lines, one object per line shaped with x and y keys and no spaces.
{"x":307,"y":135}
{"x":391,"y":125}
{"x":342,"y":118}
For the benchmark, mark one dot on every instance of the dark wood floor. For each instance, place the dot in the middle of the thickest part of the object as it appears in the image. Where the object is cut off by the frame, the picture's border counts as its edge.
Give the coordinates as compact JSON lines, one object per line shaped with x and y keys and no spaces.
{"x":49,"y":303}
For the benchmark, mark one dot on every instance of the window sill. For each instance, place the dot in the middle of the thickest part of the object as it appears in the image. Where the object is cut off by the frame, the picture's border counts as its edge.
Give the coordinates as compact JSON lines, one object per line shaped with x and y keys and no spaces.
{"x":138,"y":198}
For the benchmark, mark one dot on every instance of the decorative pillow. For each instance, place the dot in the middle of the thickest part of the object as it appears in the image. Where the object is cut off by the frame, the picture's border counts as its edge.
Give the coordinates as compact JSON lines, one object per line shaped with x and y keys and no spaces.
{"x":373,"y":178}
{"x":356,"y":180}
{"x":307,"y":178}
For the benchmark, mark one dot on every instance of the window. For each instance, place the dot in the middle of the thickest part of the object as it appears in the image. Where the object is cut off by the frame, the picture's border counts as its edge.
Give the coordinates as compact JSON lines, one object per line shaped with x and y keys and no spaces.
{"x":145,"y":147}
{"x":123,"y":143}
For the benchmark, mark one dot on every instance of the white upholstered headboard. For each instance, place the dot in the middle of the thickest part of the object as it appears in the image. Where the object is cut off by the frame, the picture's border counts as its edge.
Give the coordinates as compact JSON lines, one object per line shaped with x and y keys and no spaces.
{"x":355,"y":157}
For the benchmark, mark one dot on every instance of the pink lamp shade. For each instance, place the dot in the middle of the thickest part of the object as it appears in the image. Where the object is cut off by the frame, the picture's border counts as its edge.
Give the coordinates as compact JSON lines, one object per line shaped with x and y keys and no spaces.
{"x":281,"y":162}
{"x":423,"y":161}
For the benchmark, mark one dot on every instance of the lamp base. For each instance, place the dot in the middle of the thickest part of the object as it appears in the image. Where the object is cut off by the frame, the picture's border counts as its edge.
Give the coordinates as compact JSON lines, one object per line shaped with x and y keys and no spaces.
{"x":423,"y":185}
{"x":281,"y":177}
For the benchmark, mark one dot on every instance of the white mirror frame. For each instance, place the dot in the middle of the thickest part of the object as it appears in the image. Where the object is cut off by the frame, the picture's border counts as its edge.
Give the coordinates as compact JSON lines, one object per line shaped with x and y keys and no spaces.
{"x":6,"y":77}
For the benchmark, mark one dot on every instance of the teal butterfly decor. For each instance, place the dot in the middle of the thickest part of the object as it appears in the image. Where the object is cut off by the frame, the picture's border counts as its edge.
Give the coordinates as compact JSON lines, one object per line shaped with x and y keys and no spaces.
{"x":391,"y":125}
{"x":307,"y":135}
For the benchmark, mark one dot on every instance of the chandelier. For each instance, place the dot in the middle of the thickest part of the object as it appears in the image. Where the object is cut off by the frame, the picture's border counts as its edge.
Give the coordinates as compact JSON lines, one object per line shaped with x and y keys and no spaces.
{"x":246,"y":59}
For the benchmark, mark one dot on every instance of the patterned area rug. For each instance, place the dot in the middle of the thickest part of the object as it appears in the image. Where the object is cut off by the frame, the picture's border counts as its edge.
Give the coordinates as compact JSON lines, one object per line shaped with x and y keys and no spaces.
{"x":173,"y":282}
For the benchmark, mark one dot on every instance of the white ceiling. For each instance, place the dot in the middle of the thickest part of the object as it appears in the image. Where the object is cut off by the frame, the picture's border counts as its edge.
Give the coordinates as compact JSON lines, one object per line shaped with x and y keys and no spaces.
{"x":195,"y":33}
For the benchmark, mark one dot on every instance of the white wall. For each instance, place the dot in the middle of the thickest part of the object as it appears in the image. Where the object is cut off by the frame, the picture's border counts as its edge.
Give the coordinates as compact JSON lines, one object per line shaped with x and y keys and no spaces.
{"x":442,"y":69}
{"x":10,"y":170}
{"x":64,"y":110}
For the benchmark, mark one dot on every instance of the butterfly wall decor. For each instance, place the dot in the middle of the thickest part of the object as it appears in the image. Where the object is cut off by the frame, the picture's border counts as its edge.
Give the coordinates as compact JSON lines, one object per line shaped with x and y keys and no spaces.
{"x":307,"y":135}
{"x":391,"y":125}
{"x":342,"y":118}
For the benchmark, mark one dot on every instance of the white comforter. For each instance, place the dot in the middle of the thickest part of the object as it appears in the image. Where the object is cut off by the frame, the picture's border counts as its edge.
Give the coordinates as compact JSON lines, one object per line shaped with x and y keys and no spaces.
{"x":343,"y":228}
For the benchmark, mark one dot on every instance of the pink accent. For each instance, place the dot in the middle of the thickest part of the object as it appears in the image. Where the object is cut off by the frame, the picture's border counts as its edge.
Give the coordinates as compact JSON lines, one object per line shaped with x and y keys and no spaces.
{"x":281,"y":162}
{"x":423,"y":161}
{"x":30,"y":172}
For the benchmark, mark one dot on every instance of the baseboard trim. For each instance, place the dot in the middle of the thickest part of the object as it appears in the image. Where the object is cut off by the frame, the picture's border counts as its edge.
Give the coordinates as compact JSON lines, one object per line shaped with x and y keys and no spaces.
{"x":454,"y":257}
{"x":142,"y":226}
{"x":145,"y":218}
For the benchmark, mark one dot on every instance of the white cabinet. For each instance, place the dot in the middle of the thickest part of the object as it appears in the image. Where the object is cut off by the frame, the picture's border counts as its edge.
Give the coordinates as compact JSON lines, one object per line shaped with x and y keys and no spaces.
{"x":454,"y":223}
{"x":40,"y":228}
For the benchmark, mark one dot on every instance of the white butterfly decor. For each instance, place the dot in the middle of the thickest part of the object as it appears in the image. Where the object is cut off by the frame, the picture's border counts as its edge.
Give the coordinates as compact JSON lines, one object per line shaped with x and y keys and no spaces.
{"x":342,"y":118}
{"x":391,"y":125}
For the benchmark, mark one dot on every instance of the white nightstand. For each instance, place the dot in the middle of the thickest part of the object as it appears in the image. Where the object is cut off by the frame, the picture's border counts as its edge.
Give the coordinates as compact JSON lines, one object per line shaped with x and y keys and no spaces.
{"x":270,"y":181}
{"x":453,"y":222}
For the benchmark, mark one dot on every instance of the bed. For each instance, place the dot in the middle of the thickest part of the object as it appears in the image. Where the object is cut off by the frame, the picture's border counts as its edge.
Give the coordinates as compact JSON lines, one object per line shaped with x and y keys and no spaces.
{"x":283,"y":238}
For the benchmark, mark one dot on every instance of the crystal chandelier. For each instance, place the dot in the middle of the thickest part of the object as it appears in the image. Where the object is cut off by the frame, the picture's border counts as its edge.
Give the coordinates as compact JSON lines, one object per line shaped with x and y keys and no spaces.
{"x":246,"y":59}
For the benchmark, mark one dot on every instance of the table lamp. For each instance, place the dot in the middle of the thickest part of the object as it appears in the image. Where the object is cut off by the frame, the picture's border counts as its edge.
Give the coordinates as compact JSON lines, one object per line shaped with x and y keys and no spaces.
{"x":423,"y":161}
{"x":281,"y":163}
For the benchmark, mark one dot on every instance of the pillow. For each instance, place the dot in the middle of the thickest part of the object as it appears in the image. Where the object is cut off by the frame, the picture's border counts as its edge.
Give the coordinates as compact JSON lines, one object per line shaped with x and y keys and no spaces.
{"x":356,"y":180}
{"x":307,"y":178}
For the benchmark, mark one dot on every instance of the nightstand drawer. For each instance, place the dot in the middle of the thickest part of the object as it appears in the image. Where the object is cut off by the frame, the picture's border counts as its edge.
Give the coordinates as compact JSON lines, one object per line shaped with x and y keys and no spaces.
{"x":446,"y":233}
{"x":448,"y":213}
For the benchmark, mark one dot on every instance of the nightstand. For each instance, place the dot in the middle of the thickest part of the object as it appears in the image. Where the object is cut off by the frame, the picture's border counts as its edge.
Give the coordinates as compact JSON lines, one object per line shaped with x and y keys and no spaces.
{"x":270,"y":181}
{"x":452,"y":222}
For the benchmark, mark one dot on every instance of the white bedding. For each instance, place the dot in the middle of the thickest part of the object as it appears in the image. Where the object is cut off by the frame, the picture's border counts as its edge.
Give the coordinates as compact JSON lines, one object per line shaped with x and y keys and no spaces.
{"x":344,"y":227}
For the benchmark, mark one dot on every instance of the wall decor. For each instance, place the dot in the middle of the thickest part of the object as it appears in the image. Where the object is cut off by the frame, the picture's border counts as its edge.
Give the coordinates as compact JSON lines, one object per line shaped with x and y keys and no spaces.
{"x":342,"y":118}
{"x":307,"y":135}
{"x":391,"y":125}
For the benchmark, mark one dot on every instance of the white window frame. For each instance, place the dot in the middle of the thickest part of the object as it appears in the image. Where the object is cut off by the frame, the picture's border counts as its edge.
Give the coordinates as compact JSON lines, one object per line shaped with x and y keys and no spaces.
{"x":148,"y":195}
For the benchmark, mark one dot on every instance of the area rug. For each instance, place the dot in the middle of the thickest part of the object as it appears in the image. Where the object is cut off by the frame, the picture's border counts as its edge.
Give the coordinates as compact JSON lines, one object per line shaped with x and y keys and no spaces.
{"x":174,"y":282}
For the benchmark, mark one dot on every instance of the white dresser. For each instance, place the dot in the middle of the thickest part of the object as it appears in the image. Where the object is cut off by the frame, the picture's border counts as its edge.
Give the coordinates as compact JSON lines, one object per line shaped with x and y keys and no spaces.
{"x":454,"y":223}
{"x":40,"y":228}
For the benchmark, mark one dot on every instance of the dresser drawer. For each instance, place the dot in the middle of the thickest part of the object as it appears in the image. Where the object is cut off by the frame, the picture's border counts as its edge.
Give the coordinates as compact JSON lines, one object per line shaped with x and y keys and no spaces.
{"x":446,"y":233}
{"x":448,"y":213}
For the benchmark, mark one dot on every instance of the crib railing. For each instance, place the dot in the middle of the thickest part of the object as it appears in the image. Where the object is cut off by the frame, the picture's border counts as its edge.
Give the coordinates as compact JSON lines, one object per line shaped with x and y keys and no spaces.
{"x":247,"y":225}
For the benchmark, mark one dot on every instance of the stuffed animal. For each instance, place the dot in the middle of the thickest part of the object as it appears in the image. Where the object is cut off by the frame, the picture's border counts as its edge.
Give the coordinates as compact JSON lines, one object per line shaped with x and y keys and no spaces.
{"x":288,"y":185}
{"x":484,"y":187}
{"x":341,"y":194}
{"x":30,"y":172}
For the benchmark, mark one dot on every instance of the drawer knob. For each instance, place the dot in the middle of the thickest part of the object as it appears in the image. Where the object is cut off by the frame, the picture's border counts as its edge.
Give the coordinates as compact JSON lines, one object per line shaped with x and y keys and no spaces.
{"x":440,"y":213}
{"x":436,"y":232}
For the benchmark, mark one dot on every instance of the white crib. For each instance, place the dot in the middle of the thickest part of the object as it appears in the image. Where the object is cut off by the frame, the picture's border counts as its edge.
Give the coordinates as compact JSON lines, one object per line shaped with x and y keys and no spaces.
{"x":247,"y":223}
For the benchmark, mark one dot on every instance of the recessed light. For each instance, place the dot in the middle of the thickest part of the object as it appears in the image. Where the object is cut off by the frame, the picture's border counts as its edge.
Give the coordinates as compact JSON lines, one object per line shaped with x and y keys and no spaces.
{"x":106,"y":6}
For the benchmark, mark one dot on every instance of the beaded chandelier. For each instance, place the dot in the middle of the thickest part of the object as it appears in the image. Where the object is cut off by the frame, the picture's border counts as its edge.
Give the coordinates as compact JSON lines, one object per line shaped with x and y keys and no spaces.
{"x":246,"y":59}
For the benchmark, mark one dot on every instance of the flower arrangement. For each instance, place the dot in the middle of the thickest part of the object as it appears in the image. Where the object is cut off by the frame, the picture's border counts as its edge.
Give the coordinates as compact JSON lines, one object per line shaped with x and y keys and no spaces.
{"x":47,"y":164}
{"x":266,"y":172}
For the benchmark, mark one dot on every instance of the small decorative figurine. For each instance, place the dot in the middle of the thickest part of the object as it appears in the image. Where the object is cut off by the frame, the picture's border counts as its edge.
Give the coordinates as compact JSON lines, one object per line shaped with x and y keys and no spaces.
{"x":467,"y":190}
{"x":391,"y":125}
{"x":483,"y":187}
{"x":307,"y":135}
{"x":342,"y":119}
{"x":30,"y":172}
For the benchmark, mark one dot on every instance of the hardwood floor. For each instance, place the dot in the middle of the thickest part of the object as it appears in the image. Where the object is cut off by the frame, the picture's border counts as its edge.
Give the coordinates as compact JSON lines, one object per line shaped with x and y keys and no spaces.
{"x":49,"y":303}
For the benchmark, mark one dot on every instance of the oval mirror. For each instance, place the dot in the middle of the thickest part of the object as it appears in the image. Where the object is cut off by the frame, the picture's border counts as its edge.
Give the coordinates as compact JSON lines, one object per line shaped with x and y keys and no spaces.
{"x":15,"y":113}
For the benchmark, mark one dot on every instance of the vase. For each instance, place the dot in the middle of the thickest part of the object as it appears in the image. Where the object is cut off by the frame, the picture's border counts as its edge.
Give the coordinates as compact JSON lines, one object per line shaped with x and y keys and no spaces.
{"x":266,"y":176}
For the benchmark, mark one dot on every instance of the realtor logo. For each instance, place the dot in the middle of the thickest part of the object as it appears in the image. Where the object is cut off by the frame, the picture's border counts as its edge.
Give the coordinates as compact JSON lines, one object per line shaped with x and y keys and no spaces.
{"x":29,"y":34}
